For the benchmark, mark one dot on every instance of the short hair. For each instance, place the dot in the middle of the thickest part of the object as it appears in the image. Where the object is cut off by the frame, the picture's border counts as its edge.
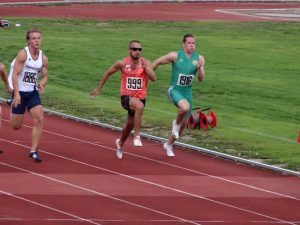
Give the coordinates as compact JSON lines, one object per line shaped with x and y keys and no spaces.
{"x":133,"y":41}
{"x":187,"y":36}
{"x":33,"y":30}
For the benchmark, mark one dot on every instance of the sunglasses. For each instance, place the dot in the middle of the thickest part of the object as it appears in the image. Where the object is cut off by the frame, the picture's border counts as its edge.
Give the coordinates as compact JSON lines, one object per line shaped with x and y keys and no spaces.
{"x":136,"y":49}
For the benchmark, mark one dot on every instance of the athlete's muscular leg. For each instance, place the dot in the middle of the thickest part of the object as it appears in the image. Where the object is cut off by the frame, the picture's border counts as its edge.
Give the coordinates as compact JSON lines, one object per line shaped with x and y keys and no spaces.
{"x":183,"y":109}
{"x":171,"y":138}
{"x":126,"y":130}
{"x":138,"y":107}
{"x":37,"y":114}
{"x":16,"y":120}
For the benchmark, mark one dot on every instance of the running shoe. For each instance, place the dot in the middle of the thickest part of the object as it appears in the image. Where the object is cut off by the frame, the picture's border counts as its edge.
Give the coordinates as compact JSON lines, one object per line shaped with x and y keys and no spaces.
{"x":35,"y":155}
{"x":119,"y":150}
{"x":169,"y":149}
{"x":175,"y":129}
{"x":137,"y":141}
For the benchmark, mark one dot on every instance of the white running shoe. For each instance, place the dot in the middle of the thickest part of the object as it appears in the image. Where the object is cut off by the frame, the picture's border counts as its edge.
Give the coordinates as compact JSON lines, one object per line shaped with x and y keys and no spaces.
{"x":137,"y":141}
{"x":119,"y":150}
{"x":169,"y":150}
{"x":175,"y":129}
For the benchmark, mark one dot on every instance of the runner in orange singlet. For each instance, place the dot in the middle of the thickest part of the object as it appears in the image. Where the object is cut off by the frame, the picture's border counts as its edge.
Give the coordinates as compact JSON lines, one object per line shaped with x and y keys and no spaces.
{"x":135,"y":74}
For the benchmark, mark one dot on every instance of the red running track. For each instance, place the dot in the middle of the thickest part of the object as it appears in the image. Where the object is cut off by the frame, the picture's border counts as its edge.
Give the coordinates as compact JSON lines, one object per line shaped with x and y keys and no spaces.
{"x":80,"y":181}
{"x":163,"y":11}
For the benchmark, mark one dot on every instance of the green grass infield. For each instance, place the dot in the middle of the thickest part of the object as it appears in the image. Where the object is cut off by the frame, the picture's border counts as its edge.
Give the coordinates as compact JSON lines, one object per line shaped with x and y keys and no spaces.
{"x":252,"y":79}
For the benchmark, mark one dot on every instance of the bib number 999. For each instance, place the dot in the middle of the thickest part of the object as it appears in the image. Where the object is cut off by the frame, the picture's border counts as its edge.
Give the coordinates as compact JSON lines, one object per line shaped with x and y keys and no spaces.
{"x":134,"y":83}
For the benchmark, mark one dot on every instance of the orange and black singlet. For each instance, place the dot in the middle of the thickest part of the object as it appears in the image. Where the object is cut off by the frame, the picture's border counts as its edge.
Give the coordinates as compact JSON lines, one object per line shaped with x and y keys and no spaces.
{"x":134,"y":80}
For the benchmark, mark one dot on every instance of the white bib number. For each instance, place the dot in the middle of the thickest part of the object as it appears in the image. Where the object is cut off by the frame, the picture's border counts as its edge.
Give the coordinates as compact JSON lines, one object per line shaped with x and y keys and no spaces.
{"x":185,"y":80}
{"x":134,"y":83}
{"x":29,"y":77}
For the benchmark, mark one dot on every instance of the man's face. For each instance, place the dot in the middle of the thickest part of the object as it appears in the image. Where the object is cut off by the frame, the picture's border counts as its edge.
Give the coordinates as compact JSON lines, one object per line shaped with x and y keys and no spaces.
{"x":135,"y":50}
{"x":189,"y":45}
{"x":34,"y":40}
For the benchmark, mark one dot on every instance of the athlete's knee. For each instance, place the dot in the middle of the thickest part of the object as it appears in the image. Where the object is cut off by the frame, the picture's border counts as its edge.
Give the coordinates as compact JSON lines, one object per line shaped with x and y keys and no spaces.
{"x":139,"y":107}
{"x":184,"y":109}
{"x":16,"y":121}
{"x":38,"y":121}
{"x":16,"y":126}
{"x":184,"y":106}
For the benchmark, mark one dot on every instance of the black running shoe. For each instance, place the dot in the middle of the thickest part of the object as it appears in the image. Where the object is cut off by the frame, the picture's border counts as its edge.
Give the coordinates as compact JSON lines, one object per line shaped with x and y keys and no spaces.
{"x":35,"y":155}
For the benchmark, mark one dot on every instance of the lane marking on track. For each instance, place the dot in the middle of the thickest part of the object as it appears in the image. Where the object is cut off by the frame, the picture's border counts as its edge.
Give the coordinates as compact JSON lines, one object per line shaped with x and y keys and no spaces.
{"x":169,"y":164}
{"x":269,"y":14}
{"x":137,"y":179}
{"x":48,"y":207}
{"x":142,"y":221}
{"x":53,"y":142}
{"x":92,"y":191}
{"x":249,"y":131}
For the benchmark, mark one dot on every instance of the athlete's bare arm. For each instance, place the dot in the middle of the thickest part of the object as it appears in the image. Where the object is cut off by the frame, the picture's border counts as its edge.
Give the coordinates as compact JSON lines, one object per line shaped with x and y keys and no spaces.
{"x":200,"y":68}
{"x":44,"y":75}
{"x":170,"y":57}
{"x":148,"y":69}
{"x":118,"y":65}
{"x":19,"y":63}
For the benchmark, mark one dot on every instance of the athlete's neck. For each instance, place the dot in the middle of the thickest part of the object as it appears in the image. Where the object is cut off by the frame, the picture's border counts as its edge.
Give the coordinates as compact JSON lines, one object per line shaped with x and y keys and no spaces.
{"x":34,"y":52}
{"x":134,"y":63}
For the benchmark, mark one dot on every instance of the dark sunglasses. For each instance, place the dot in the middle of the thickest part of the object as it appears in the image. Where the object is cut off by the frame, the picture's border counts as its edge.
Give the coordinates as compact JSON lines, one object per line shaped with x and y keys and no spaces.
{"x":136,"y":49}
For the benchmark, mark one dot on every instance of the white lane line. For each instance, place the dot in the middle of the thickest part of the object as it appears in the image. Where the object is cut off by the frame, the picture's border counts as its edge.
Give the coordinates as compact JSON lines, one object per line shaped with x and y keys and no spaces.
{"x":172,"y":165}
{"x":160,"y":222}
{"x":95,"y":192}
{"x":242,"y":130}
{"x":246,"y":12}
{"x":144,"y":181}
{"x":47,"y":207}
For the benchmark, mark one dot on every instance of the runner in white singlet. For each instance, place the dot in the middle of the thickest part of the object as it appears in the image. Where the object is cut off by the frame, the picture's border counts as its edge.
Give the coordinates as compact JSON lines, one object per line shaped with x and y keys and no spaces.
{"x":23,"y":79}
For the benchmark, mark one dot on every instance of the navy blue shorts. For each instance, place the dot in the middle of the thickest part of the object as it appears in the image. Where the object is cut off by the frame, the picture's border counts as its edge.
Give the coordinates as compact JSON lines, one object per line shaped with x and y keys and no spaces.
{"x":125,"y":104}
{"x":28,"y":100}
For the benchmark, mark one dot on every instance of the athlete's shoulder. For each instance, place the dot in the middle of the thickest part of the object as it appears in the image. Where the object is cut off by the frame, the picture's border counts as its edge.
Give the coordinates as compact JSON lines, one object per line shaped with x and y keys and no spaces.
{"x":118,"y":64}
{"x":126,"y":59}
{"x":22,"y":55}
{"x":172,"y":56}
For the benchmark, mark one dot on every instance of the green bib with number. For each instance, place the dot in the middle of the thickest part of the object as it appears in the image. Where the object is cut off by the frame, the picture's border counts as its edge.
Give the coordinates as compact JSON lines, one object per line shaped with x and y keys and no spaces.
{"x":184,"y":69}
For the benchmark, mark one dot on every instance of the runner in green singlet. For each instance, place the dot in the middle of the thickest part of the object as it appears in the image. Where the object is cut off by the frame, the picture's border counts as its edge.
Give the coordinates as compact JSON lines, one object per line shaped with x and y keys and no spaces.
{"x":186,"y":64}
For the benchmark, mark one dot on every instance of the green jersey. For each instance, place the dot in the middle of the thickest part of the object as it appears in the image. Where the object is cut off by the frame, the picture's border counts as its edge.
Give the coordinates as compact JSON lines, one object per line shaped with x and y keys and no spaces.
{"x":184,"y":70}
